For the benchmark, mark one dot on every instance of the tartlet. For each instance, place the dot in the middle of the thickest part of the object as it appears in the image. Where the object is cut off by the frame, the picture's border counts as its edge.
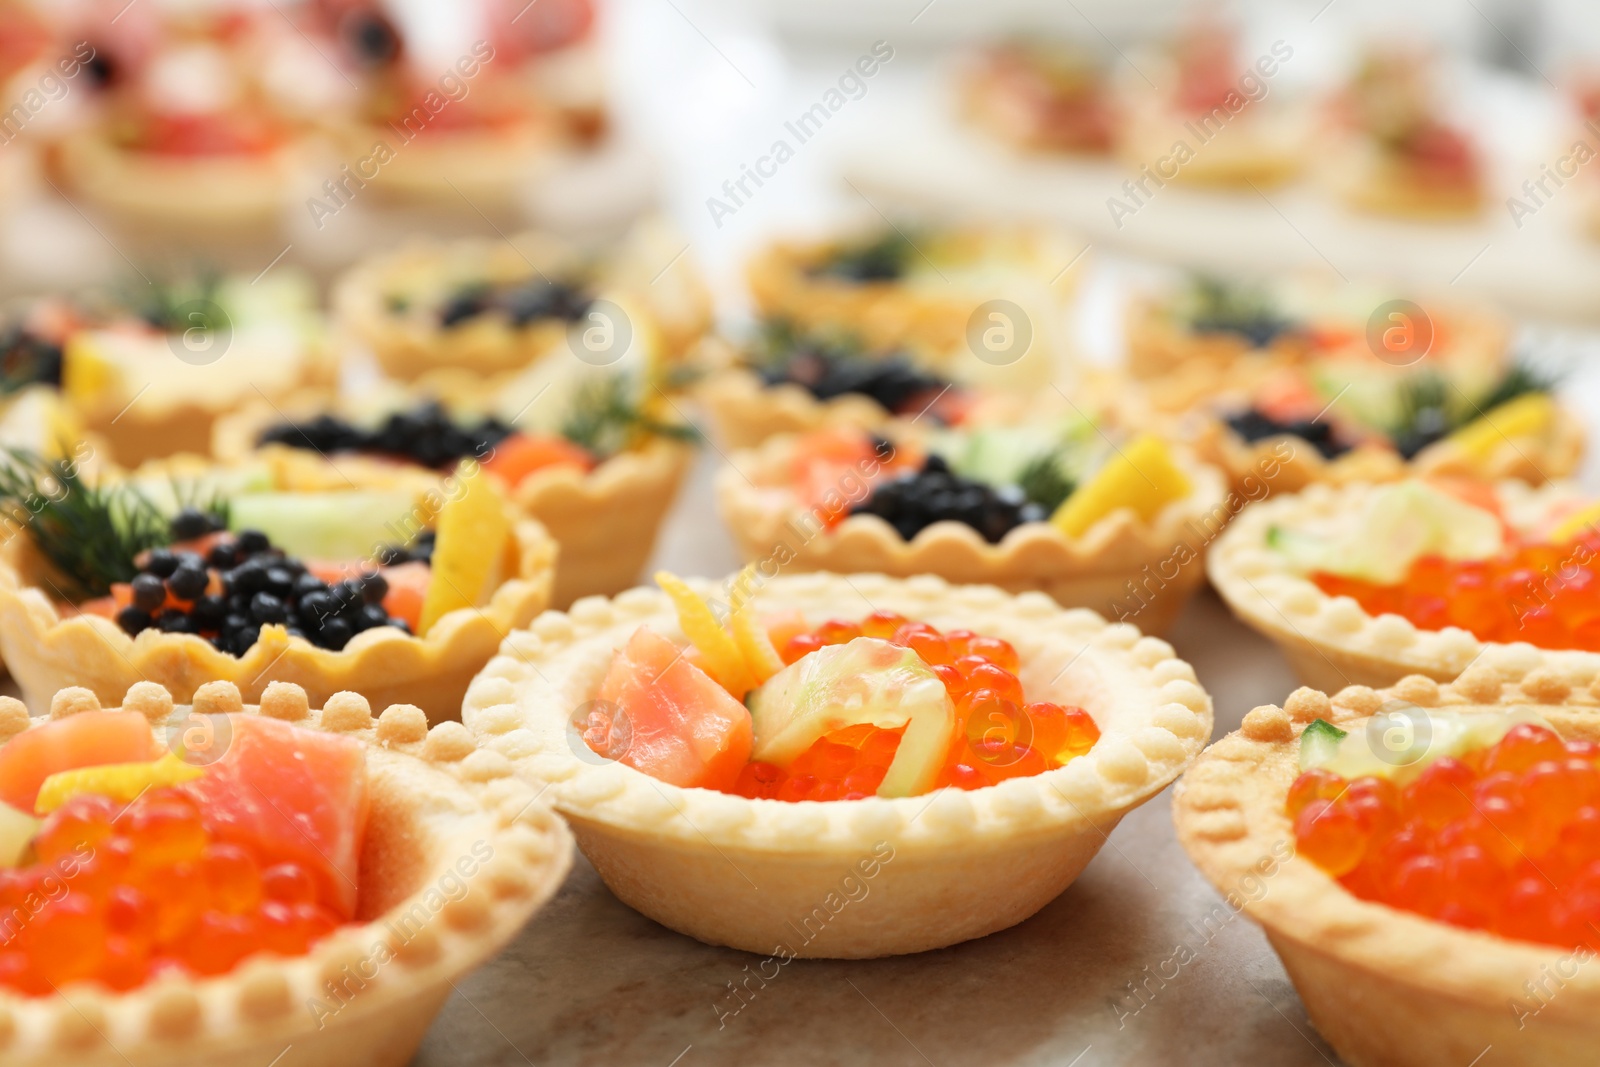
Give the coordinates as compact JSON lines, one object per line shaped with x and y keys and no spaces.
{"x":396,"y":304}
{"x":1260,"y":568}
{"x":1286,"y":463}
{"x":929,"y":292}
{"x":151,"y":391}
{"x":1043,"y":96}
{"x":435,"y":801}
{"x":739,"y":872}
{"x":1383,"y":985}
{"x":49,"y":644}
{"x":1122,"y":565}
{"x":604,"y":516}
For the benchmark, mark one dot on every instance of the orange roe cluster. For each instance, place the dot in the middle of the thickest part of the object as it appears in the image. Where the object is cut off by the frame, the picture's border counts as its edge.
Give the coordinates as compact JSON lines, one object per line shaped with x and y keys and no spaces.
{"x":998,"y":735}
{"x":1505,"y":839}
{"x":122,"y":895}
{"x":1547,"y":595}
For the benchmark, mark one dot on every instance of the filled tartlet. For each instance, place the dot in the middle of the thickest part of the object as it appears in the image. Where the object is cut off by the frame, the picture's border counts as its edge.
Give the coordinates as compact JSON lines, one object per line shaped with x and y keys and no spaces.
{"x":1057,"y":507}
{"x":1399,"y":153}
{"x":791,"y":380}
{"x":190,"y":136}
{"x":1212,"y":335}
{"x":1040,"y":95}
{"x":150,"y":370}
{"x":1420,"y":857}
{"x":597,"y":461}
{"x":1211,"y":117}
{"x":1350,"y":418}
{"x":902,"y":735}
{"x":215,"y":883}
{"x":1366,"y":584}
{"x":396,"y":587}
{"x":984,"y":304}
{"x":495,"y":306}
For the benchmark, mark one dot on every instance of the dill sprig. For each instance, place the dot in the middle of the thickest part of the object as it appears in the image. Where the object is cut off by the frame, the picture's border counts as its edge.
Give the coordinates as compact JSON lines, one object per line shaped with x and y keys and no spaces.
{"x":161,"y":304}
{"x":606,"y":418}
{"x":1045,"y":481}
{"x":1217,"y":305}
{"x":90,"y":533}
{"x":1431,"y":408}
{"x":882,"y":259}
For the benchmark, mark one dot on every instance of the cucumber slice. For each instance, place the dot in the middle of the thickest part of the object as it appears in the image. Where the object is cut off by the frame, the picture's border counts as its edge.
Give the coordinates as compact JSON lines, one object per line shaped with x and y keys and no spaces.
{"x":1401,"y":523}
{"x":330,"y":526}
{"x":861,"y":681}
{"x":1401,"y":743}
{"x":1319,"y":743}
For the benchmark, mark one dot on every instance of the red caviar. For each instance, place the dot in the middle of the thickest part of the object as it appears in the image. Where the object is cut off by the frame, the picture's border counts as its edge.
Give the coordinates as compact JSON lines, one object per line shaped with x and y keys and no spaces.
{"x":998,"y":734}
{"x":1539,"y":593}
{"x":119,"y":895}
{"x":1505,"y":839}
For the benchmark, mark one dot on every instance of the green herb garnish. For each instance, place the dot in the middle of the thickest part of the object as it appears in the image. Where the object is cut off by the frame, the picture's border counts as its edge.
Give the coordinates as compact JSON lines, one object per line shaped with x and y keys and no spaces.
{"x":90,"y":533}
{"x":606,"y":419}
{"x":1045,"y":481}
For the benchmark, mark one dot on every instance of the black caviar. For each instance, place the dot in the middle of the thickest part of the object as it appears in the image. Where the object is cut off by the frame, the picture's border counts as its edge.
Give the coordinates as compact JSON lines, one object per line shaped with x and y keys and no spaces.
{"x":260,"y":586}
{"x":1253,"y":425}
{"x":27,"y":359}
{"x":915,"y":501}
{"x":522,"y":303}
{"x":426,"y":435}
{"x":893,"y":381}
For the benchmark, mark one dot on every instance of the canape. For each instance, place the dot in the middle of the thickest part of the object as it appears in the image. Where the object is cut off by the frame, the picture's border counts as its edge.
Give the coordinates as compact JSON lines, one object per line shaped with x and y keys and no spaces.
{"x":1363,"y":584}
{"x":1212,"y":119}
{"x":397,"y":587}
{"x":151,"y":371}
{"x":1354,"y":419}
{"x":597,"y":465}
{"x":848,"y":813}
{"x":1055,"y":507}
{"x":190,"y":137}
{"x":1419,"y":858}
{"x":1400,"y":154}
{"x":987,"y":302}
{"x":218,"y":883}
{"x":790,"y":380}
{"x":1212,"y":334}
{"x":493,"y":306}
{"x":1047,"y":96}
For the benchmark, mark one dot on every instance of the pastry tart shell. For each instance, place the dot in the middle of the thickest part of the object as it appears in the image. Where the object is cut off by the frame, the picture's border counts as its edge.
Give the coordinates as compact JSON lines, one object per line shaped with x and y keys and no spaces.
{"x":439,"y":811}
{"x":442,"y":167}
{"x":1370,"y":181}
{"x":1253,"y":147}
{"x":46,"y":651}
{"x":1531,"y":458}
{"x":1123,"y":567}
{"x":1388,"y":988}
{"x":931,"y":319}
{"x":177,"y":192}
{"x":1331,"y":641}
{"x":647,"y":273}
{"x":604,"y":521}
{"x":848,"y":879}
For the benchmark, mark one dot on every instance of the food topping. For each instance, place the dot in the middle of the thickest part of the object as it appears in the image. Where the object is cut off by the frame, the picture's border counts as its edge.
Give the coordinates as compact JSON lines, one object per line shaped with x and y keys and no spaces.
{"x":885,"y":706}
{"x":193,"y":872}
{"x":1496,"y":831}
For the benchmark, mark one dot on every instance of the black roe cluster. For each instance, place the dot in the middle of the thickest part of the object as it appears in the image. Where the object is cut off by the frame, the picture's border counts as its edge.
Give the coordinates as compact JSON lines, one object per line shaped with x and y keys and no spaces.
{"x":259,"y":585}
{"x":1253,"y":425}
{"x":425,"y":435}
{"x":27,"y":359}
{"x":523,"y":303}
{"x":914,"y":501}
{"x":893,"y":381}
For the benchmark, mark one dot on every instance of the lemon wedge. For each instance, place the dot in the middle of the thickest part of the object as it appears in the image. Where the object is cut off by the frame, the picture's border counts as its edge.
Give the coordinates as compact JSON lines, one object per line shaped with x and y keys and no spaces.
{"x":760,"y":657}
{"x":720,"y":653}
{"x":1529,"y":415}
{"x":1143,"y":477}
{"x":469,"y":547}
{"x":119,"y":781}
